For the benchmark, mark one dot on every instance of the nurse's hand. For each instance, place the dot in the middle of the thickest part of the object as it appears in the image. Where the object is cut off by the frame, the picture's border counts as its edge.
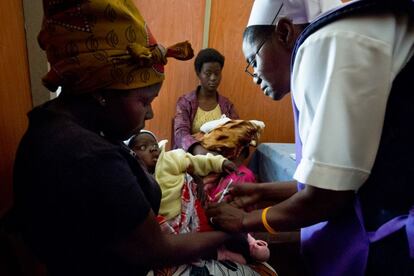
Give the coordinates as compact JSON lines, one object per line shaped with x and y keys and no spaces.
{"x":246,"y":195}
{"x":226,"y":217}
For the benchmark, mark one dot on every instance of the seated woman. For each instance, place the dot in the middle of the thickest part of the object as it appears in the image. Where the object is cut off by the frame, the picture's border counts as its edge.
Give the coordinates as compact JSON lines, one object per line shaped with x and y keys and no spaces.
{"x":181,"y":208}
{"x":203,"y":104}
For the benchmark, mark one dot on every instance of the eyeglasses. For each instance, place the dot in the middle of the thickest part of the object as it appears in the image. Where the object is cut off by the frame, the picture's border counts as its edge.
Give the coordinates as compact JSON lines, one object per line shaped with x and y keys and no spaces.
{"x":251,"y":65}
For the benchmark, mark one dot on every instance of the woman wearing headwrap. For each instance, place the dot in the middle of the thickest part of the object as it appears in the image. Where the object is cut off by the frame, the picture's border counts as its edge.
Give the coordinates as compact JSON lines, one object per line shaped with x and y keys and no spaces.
{"x":85,"y":206}
{"x":350,"y":73}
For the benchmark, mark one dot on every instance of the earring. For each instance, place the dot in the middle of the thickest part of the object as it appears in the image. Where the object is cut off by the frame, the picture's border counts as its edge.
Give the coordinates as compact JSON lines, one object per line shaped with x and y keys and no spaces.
{"x":103,"y":101}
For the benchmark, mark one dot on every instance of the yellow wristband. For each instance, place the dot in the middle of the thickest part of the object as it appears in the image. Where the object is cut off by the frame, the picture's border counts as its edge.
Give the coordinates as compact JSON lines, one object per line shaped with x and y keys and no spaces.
{"x":266,"y":224}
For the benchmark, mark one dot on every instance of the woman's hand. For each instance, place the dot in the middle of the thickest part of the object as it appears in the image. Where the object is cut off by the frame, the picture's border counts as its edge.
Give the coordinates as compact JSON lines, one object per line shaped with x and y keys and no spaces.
{"x":246,"y":195}
{"x":226,"y":217}
{"x":229,"y":166}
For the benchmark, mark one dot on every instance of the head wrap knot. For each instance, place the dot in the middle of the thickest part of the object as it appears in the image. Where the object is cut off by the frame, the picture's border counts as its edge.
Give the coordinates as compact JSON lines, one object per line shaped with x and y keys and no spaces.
{"x":181,"y":51}
{"x":145,"y":57}
{"x":158,"y":54}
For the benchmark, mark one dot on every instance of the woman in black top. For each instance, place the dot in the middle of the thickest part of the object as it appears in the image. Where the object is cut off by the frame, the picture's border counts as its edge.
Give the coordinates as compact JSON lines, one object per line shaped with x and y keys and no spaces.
{"x":84,"y":204}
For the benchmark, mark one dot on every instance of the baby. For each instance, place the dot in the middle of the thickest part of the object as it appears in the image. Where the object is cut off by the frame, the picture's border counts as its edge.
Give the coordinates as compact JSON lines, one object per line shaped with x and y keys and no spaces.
{"x":181,"y":209}
{"x":232,"y":139}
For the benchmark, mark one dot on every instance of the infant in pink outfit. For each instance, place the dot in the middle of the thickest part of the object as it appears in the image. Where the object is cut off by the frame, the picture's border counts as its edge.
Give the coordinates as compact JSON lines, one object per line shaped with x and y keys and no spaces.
{"x":259,"y":250}
{"x":232,"y":138}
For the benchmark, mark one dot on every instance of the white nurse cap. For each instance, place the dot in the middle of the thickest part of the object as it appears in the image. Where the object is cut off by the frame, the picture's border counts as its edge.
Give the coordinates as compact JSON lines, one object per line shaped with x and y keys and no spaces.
{"x":264,"y":11}
{"x":299,"y":11}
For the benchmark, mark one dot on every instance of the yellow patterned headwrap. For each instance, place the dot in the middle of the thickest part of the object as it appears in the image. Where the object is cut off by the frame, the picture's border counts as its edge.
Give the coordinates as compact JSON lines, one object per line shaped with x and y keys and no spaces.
{"x":94,"y":44}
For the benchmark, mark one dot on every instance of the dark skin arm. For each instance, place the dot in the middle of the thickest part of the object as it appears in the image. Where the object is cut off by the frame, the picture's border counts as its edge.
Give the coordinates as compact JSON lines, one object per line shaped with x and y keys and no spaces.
{"x":303,"y":208}
{"x":262,"y":194}
{"x":148,"y":246}
{"x":199,"y":149}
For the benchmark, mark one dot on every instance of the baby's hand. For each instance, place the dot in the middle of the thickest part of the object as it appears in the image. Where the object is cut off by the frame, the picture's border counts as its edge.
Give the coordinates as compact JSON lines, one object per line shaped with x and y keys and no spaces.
{"x":229,"y":167}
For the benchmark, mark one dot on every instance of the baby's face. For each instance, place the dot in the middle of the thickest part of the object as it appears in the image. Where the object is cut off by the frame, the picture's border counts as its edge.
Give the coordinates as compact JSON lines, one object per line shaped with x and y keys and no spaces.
{"x":146,"y":147}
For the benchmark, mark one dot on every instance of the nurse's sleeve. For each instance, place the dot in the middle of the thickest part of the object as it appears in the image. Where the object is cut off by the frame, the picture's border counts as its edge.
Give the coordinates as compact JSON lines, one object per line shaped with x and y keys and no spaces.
{"x":341,"y":83}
